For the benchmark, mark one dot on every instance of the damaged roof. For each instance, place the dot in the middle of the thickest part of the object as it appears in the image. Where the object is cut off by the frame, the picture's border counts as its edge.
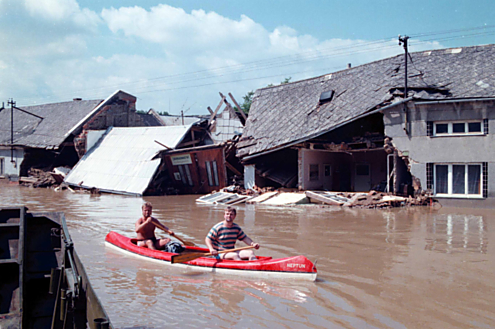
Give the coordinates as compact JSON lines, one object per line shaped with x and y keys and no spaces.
{"x":59,"y":119}
{"x":294,"y":112}
{"x":123,"y":161}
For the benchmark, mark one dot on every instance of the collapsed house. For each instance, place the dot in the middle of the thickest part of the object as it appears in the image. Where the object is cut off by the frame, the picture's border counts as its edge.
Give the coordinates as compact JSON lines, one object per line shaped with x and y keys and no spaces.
{"x":356,"y":129}
{"x":126,"y":161}
{"x":171,"y":158}
{"x":55,"y":135}
{"x":206,"y":167}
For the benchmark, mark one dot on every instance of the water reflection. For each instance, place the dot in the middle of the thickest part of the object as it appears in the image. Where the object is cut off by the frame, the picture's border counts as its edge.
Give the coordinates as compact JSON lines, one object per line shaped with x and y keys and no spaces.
{"x":376,"y":268}
{"x":455,"y":233}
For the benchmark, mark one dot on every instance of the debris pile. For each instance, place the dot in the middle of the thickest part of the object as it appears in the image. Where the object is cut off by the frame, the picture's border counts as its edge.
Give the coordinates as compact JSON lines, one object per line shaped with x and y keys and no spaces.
{"x":370,"y":200}
{"x":38,"y":178}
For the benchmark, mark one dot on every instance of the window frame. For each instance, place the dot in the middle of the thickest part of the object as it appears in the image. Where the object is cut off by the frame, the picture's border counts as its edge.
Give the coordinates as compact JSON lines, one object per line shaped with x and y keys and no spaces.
{"x":450,"y":125}
{"x":450,"y":181}
{"x":212,"y":173}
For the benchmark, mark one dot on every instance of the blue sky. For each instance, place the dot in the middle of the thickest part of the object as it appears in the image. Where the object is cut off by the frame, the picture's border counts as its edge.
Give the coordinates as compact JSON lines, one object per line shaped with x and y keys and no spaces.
{"x":178,"y":55}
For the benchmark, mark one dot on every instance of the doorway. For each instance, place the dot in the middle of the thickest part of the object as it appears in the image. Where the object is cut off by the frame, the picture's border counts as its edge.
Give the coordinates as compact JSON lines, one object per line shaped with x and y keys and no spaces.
{"x":362,"y":182}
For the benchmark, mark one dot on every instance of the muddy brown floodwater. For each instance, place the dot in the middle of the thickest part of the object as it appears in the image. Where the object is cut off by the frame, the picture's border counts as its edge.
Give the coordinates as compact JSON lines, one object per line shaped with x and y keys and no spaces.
{"x":398,"y":268}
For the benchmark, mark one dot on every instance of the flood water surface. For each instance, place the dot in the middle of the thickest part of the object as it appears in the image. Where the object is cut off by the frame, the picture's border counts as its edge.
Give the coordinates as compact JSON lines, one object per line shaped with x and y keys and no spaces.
{"x":398,"y":268}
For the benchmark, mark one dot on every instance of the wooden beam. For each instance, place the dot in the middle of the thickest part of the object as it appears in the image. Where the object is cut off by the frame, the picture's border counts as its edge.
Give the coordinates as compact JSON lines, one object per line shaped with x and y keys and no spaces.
{"x":209,"y":110}
{"x":232,"y":168}
{"x":238,"y":107}
{"x":190,"y":143}
{"x":165,"y":146}
{"x":216,"y":110}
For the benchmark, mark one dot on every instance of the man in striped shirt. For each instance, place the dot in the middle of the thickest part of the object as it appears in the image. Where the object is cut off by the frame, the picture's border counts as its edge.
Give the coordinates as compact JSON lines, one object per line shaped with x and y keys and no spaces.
{"x":224,"y":235}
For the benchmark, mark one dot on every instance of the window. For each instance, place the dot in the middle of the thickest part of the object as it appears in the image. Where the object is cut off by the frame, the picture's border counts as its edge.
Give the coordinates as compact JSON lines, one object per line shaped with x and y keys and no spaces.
{"x":2,"y":166}
{"x":185,"y":175}
{"x":314,"y":172}
{"x":459,"y":180}
{"x":328,"y":170}
{"x":212,"y":172}
{"x":459,"y":128}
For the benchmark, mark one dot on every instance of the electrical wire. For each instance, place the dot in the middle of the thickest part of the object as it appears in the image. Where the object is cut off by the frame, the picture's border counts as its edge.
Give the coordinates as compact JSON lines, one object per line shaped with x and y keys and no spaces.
{"x":282,"y":61}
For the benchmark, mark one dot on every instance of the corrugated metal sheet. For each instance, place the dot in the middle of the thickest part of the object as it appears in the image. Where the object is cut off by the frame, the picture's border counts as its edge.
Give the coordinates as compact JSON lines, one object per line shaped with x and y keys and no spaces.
{"x":122,"y":161}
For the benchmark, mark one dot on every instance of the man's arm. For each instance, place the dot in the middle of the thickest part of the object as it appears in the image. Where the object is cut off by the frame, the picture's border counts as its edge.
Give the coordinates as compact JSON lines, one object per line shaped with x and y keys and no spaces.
{"x":209,"y":244}
{"x":247,"y":240}
{"x":161,"y":226}
{"x":141,"y":224}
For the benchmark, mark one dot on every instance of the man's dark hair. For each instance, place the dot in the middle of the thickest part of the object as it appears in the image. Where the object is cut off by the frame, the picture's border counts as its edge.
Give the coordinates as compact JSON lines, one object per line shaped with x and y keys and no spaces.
{"x":231,"y":209}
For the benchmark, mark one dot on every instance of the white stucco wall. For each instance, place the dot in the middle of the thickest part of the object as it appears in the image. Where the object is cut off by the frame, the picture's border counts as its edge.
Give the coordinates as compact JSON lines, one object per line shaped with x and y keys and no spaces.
{"x":423,"y":149}
{"x":11,"y":168}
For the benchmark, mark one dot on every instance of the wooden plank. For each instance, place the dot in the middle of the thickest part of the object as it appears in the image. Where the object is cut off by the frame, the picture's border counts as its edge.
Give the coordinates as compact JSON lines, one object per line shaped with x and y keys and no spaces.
{"x":238,"y":107}
{"x":232,"y":168}
{"x":322,"y":198}
{"x":189,"y":143}
{"x":28,"y":179}
{"x":263,"y":197}
{"x":165,"y":146}
{"x":214,"y":114}
{"x":209,"y":110}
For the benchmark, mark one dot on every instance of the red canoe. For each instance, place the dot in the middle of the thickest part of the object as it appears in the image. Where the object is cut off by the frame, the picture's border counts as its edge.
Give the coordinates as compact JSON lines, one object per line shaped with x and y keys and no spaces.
{"x":296,"y":267}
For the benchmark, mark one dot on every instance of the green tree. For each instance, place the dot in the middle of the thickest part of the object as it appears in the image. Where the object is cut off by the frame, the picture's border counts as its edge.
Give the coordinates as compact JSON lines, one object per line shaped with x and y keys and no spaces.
{"x":246,"y":104}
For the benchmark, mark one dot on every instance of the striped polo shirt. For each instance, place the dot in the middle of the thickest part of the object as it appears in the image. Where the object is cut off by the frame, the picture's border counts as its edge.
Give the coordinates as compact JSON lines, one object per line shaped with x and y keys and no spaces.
{"x":224,"y":238}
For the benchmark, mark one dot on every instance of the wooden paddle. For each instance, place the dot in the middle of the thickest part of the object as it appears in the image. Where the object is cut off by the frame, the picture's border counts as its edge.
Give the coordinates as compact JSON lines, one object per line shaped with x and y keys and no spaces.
{"x":186,"y":243}
{"x":190,"y":256}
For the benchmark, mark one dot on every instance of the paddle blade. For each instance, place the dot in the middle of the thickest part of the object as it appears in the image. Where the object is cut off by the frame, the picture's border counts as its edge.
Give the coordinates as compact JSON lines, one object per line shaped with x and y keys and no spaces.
{"x":186,"y":257}
{"x":188,"y":243}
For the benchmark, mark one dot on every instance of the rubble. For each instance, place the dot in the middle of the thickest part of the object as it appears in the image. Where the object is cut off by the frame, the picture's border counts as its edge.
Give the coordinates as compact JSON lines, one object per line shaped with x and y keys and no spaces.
{"x":371,"y":200}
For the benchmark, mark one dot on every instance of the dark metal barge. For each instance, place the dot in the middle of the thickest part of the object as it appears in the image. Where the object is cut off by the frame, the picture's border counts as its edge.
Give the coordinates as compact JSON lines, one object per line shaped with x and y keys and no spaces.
{"x":43,"y":283}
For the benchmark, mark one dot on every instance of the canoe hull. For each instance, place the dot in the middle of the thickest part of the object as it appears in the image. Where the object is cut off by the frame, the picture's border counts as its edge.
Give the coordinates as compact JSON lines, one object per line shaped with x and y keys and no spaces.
{"x":297,"y":267}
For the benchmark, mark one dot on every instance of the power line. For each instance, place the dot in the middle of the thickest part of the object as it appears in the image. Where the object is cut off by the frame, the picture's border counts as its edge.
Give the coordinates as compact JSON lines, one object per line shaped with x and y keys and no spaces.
{"x":288,"y":60}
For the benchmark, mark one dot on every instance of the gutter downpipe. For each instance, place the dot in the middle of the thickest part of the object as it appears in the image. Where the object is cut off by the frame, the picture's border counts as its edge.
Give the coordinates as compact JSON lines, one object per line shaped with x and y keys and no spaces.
{"x":249,"y":157}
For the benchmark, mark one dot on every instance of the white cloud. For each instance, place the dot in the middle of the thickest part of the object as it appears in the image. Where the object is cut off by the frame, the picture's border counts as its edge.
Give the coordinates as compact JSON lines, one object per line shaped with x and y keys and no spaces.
{"x":169,"y":58}
{"x":169,"y":26}
{"x":63,"y":11}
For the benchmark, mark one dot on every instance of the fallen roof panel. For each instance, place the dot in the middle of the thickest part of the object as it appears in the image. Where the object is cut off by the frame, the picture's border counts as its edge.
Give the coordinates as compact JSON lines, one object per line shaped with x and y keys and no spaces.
{"x":122,"y":161}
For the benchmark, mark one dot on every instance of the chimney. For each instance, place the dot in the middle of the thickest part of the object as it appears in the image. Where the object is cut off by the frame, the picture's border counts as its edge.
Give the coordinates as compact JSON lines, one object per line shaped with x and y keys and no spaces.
{"x":77,"y":99}
{"x":349,"y":65}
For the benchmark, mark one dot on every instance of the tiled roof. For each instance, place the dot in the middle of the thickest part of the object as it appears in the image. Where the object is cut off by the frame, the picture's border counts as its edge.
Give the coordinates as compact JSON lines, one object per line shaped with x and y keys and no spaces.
{"x":58,"y":121}
{"x":292,"y":112}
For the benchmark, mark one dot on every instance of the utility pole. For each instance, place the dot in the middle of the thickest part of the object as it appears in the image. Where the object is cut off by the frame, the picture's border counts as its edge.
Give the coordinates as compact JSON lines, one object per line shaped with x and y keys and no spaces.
{"x":403,"y":40}
{"x":12,"y":107}
{"x":12,"y":104}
